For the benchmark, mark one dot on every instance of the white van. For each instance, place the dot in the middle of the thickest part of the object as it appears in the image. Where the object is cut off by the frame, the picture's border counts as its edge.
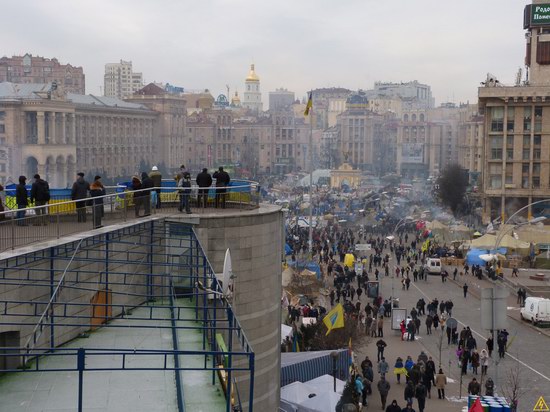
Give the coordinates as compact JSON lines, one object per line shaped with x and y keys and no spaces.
{"x":536,"y":310}
{"x":433,"y":266}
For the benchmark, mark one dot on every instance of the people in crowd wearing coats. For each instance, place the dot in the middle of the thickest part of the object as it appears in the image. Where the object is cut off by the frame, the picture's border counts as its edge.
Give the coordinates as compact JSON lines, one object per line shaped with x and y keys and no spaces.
{"x":146,"y":183}
{"x":185,"y":193}
{"x":97,"y":190}
{"x":420,"y":392}
{"x":222,"y":182}
{"x":136,"y":187}
{"x":393,"y":407}
{"x":440,"y":382}
{"x":156,"y":177}
{"x":474,"y":388}
{"x":484,"y":361}
{"x":40,"y":196}
{"x":22,"y":201}
{"x":383,"y":367}
{"x":383,"y":387}
{"x":79,"y":192}
{"x":204,"y":181}
{"x":409,"y":392}
{"x":399,"y":369}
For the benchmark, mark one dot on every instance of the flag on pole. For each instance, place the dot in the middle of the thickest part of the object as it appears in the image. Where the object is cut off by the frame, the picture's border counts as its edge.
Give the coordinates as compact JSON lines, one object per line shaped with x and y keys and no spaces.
{"x":476,"y":407}
{"x":335,"y":318}
{"x":309,"y":104}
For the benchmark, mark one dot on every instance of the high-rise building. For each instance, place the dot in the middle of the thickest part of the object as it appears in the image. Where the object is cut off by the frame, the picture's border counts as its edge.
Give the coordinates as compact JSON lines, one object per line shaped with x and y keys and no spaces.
{"x":414,"y":94}
{"x":120,"y":80}
{"x":516,"y":143}
{"x":36,"y":69}
{"x":252,"y":94}
{"x":280,"y":99}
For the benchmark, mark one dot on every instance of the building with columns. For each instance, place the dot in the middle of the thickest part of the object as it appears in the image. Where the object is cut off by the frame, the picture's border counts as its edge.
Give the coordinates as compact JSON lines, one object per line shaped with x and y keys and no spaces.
{"x":516,"y":139}
{"x":56,"y":134}
{"x":252,"y":94}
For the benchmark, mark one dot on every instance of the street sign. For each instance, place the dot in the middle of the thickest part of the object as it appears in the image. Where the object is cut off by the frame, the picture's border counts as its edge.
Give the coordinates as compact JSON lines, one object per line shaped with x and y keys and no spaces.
{"x":451,"y":323}
{"x":363,"y":247}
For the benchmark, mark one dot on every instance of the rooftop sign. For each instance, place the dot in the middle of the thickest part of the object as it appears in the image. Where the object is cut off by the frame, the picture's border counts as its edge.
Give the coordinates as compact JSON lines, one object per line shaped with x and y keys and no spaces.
{"x":540,"y":14}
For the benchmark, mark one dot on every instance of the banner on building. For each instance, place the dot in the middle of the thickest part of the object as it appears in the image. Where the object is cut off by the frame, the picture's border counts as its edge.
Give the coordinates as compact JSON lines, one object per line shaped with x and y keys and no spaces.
{"x":412,"y":153}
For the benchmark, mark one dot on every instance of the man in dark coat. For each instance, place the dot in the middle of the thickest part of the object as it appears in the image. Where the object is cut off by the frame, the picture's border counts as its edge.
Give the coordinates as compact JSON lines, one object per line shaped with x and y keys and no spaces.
{"x":78,"y":192}
{"x":97,"y":190}
{"x":22,"y":200}
{"x":40,"y":196}
{"x":147,"y":183}
{"x":204,"y":181}
{"x":222,"y":181}
{"x":156,"y":177}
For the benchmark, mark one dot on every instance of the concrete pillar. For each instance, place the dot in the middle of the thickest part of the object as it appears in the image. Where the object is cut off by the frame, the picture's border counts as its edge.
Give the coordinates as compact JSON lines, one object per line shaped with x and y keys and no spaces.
{"x":40,"y":127}
{"x":63,"y":128}
{"x":503,"y":209}
{"x":53,"y":135}
{"x":72,"y":132}
{"x":62,"y":174}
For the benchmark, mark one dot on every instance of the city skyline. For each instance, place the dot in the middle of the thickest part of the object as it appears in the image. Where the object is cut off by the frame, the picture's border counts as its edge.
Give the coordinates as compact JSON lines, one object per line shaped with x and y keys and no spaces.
{"x":298,"y":46}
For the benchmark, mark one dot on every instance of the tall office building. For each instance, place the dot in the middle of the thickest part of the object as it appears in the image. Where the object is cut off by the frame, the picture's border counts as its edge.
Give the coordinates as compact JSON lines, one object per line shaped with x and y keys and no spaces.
{"x":280,"y":99}
{"x":120,"y":81}
{"x":516,"y":145}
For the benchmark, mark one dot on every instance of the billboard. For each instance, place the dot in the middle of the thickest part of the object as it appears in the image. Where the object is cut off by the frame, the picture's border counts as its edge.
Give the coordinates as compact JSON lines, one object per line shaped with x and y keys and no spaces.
{"x":540,"y":14}
{"x":412,"y":153}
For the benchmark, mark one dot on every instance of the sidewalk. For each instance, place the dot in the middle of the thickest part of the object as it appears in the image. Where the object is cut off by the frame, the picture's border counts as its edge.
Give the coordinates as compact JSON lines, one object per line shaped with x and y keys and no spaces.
{"x":396,"y":348}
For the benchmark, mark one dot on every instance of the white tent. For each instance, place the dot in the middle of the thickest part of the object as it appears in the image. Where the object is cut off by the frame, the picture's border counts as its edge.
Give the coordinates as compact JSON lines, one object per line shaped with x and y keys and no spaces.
{"x":297,"y":392}
{"x":323,"y":402}
{"x":325,"y":383}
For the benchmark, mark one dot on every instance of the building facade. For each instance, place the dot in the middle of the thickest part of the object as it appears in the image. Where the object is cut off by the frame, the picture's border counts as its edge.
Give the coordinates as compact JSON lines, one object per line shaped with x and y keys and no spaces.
{"x":280,"y":99}
{"x":252,"y":93}
{"x":120,"y":81}
{"x":36,"y":69}
{"x":516,"y":144}
{"x":414,"y":94}
{"x":57,"y":134}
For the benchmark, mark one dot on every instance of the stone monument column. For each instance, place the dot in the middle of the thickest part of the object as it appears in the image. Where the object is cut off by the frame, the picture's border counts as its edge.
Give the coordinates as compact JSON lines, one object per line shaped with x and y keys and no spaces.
{"x":63,"y":128}
{"x":40,"y":127}
{"x":52,"y":134}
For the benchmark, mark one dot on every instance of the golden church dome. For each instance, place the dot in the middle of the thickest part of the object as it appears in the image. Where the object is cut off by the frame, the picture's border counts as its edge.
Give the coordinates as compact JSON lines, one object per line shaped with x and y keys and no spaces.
{"x":236,"y":101}
{"x":252,"y":76}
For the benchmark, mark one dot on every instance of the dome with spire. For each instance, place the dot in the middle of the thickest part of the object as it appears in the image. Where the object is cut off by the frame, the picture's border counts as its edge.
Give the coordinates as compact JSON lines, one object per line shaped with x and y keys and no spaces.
{"x":252,"y":76}
{"x":236,"y":101}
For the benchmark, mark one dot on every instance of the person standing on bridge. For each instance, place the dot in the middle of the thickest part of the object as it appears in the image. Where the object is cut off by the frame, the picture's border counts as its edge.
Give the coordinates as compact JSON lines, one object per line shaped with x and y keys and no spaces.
{"x":22,"y":200}
{"x":40,"y":195}
{"x":156,"y":177}
{"x":79,"y":192}
{"x":204,"y":181}
{"x":222,"y":182}
{"x":97,"y":191}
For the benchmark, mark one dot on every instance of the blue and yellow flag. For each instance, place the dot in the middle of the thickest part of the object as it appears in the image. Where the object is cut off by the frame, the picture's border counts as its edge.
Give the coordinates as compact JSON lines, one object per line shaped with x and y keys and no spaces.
{"x":309,"y":104}
{"x":335,"y":318}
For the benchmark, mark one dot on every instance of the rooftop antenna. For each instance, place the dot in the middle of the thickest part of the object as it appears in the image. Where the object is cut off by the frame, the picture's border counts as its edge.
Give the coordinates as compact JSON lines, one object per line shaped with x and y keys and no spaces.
{"x":228,"y":96}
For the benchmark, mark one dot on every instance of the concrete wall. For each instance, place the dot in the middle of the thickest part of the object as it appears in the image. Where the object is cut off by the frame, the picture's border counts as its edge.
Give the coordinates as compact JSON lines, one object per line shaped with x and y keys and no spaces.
{"x":255,"y":240}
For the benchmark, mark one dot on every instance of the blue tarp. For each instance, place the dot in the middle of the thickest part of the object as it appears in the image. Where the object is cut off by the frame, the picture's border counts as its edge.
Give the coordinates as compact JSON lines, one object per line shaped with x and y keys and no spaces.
{"x":288,"y":249}
{"x":304,"y":366}
{"x":473,"y":256}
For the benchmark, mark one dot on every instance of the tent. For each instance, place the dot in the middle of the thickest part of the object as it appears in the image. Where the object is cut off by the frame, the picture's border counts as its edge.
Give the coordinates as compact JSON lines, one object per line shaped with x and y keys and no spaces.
{"x":303,"y":366}
{"x":436,"y":225}
{"x":509,"y":242}
{"x":325,"y":383}
{"x":484,"y":242}
{"x":323,"y":402}
{"x":297,"y":392}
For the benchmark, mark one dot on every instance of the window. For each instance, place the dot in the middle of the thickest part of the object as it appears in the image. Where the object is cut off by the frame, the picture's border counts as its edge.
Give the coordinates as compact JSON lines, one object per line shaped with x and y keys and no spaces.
{"x":536,"y":169}
{"x":496,"y":147}
{"x":2,"y":128}
{"x":510,"y":141}
{"x":525,"y":168}
{"x":538,"y":112}
{"x":509,"y":154}
{"x":525,"y":182}
{"x":510,"y":120}
{"x":497,"y":119}
{"x":525,"y":154}
{"x":526,"y":141}
{"x":536,"y":182}
{"x":509,"y":174}
{"x":536,"y":154}
{"x":496,"y":182}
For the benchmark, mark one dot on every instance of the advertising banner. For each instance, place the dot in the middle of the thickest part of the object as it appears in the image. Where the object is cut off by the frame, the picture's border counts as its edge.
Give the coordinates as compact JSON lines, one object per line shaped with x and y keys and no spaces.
{"x":412,"y":153}
{"x":540,"y":14}
{"x":397,"y":316}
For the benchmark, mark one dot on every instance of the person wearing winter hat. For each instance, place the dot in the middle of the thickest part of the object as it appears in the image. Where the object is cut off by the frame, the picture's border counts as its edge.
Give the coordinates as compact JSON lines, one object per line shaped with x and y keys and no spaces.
{"x":156,"y":177}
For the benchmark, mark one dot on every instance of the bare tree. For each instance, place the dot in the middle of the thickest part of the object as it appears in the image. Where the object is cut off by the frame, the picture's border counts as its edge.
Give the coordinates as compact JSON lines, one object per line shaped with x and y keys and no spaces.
{"x":513,"y":389}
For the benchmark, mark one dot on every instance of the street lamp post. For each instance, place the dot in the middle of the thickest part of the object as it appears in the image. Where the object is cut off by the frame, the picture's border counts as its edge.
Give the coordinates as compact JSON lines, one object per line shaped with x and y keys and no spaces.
{"x":334,"y":357}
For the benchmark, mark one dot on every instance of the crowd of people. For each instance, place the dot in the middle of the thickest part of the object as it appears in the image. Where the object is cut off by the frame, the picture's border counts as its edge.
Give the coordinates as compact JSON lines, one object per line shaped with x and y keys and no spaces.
{"x":146,"y":194}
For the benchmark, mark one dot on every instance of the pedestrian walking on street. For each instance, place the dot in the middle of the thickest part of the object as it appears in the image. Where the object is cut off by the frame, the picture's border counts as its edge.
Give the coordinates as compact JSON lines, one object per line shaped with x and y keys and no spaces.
{"x":380,"y":345}
{"x":484,"y":361}
{"x":383,"y":367}
{"x":474,"y":387}
{"x":440,"y":382}
{"x":490,"y":345}
{"x":409,"y":392}
{"x":420,"y":393}
{"x":429,"y":320}
{"x":489,"y":387}
{"x":408,"y":408}
{"x":399,"y":369}
{"x":383,"y":387}
{"x":393,"y":407}
{"x":380,"y":325}
{"x":465,"y":289}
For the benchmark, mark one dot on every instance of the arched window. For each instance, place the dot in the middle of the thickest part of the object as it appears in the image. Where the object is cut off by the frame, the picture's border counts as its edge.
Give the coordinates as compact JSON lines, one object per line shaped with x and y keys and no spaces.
{"x":406,"y":118}
{"x":422,"y":117}
{"x":413,"y":117}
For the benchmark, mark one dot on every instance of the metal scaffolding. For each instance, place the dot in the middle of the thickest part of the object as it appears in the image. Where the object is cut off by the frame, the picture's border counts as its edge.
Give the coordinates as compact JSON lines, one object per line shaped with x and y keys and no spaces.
{"x":94,"y":282}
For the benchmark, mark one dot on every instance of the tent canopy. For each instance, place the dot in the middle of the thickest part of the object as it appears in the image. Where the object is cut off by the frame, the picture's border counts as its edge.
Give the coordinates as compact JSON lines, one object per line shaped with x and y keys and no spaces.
{"x":323,"y":402}
{"x":297,"y":392}
{"x":285,"y":331}
{"x":436,"y":225}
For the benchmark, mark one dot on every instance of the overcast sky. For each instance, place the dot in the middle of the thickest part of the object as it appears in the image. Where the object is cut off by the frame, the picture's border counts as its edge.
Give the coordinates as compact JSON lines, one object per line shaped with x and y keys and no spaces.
{"x":296,"y":44}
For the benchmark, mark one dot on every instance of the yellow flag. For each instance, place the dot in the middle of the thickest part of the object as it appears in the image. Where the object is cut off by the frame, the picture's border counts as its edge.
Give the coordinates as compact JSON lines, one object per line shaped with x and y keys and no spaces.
{"x":309,"y":104}
{"x":335,"y":318}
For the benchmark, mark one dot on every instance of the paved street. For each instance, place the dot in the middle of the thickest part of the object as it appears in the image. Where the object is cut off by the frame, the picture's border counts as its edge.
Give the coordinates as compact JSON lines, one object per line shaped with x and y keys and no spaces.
{"x":528,"y":349}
